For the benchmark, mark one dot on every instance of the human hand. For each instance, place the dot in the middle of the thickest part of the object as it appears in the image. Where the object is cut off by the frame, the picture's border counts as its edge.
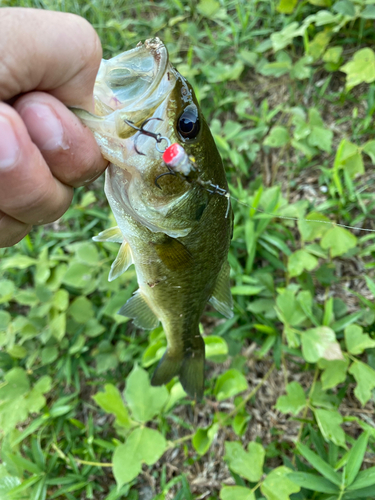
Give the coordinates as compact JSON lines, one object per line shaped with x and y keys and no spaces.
{"x":49,"y":61}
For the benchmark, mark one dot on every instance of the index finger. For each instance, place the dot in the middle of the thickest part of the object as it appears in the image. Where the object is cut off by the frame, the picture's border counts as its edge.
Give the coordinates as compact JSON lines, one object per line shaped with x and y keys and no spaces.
{"x":63,"y":62}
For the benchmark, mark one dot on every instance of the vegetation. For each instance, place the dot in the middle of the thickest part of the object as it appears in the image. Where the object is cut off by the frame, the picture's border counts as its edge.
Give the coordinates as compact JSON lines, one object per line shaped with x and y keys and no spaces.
{"x":289,"y":91}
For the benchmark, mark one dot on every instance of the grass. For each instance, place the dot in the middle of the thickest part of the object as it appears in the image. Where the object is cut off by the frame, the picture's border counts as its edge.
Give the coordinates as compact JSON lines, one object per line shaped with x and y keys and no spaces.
{"x":289,"y":403}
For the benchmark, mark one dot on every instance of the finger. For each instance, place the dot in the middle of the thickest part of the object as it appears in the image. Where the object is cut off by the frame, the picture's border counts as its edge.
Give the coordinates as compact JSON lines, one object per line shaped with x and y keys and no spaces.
{"x":11,"y":230}
{"x":56,"y":52}
{"x":68,"y":147}
{"x":28,"y":190}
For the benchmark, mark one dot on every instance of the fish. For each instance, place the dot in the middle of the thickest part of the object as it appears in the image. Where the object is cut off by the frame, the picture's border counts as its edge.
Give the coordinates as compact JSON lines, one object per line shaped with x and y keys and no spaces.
{"x":173,"y":225}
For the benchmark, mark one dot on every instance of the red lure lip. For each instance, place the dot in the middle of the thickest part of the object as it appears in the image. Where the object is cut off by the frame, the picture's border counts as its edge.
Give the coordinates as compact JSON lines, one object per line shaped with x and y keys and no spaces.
{"x":173,"y":154}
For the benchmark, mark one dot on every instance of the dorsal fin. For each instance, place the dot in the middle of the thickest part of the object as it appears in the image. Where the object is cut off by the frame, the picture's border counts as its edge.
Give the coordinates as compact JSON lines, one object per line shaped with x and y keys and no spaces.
{"x":113,"y":235}
{"x":173,"y":253}
{"x":138,"y":309}
{"x":221,"y":297}
{"x":121,"y":263}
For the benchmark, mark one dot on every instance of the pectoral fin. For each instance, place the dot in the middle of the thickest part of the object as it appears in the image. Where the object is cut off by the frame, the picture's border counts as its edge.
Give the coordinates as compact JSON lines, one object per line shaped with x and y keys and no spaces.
{"x":121,"y":263}
{"x":221,"y":298}
{"x":173,"y":253}
{"x":113,"y":235}
{"x":138,"y":309}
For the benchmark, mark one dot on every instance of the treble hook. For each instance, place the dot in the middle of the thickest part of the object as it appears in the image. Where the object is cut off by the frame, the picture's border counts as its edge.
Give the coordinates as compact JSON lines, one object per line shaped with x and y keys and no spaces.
{"x":141,"y":130}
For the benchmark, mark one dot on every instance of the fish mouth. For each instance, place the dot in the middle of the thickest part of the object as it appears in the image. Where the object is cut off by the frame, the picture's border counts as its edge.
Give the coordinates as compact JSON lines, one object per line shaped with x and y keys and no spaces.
{"x":130,"y":86}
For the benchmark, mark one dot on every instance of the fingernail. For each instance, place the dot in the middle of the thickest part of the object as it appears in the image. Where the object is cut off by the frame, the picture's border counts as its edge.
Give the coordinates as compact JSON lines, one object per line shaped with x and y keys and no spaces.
{"x":9,"y":148}
{"x":45,"y":129}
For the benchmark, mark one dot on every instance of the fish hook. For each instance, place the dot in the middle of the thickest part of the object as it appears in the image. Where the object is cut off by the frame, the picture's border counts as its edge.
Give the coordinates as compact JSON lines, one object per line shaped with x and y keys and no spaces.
{"x":170,"y":172}
{"x":141,"y":130}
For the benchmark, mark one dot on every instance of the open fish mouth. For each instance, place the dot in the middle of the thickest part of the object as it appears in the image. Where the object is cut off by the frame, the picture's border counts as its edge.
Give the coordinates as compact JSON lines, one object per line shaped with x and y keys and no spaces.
{"x":130,"y":86}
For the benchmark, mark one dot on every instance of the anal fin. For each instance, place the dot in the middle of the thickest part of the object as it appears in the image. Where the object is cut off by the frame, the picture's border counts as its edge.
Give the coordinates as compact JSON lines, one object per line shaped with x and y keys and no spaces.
{"x":113,"y":235}
{"x":138,"y":309}
{"x":221,"y":297}
{"x":121,"y":263}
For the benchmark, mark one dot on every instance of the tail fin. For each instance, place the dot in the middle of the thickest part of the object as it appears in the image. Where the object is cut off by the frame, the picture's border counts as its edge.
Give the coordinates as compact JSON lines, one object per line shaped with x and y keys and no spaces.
{"x":189,"y":366}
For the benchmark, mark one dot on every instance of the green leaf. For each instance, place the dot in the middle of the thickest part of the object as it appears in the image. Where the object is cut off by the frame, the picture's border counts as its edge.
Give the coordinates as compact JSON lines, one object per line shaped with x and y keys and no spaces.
{"x":339,"y":240}
{"x":321,"y":138}
{"x":356,"y":341}
{"x":215,"y":346}
{"x":364,"y":479}
{"x":288,"y":309}
{"x":349,"y":158}
{"x":334,"y":372}
{"x":360,"y":69}
{"x":300,"y":261}
{"x":313,"y":482}
{"x":203,"y":438}
{"x":355,"y":458}
{"x":333,"y":55}
{"x":294,"y":402}
{"x":144,"y":400}
{"x":368,"y":12}
{"x":8,"y":483}
{"x":329,"y":422}
{"x":344,"y":7}
{"x":142,"y":446}
{"x":246,"y":289}
{"x":279,"y":136}
{"x":236,"y":493}
{"x":310,"y":230}
{"x":111,"y":402}
{"x":229,"y":384}
{"x":286,"y":6}
{"x":78,"y":275}
{"x":81,"y":310}
{"x":277,"y":486}
{"x":319,"y":464}
{"x":365,"y":378}
{"x":17,"y":262}
{"x":208,"y":8}
{"x":319,"y":343}
{"x":369,"y":146}
{"x":248,"y":464}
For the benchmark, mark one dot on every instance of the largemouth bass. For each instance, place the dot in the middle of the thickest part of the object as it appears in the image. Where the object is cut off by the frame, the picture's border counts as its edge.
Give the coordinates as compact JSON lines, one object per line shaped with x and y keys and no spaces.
{"x":175,"y":231}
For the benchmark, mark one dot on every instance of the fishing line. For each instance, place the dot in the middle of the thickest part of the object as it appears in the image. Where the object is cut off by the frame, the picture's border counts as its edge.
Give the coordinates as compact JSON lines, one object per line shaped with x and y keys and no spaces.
{"x":228,"y":195}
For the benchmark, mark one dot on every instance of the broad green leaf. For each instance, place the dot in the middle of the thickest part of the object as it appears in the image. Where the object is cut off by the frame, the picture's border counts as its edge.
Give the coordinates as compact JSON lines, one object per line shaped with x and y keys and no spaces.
{"x":319,"y":464}
{"x":248,"y":464}
{"x":333,"y":55}
{"x":144,"y":400}
{"x":215,"y":346}
{"x":318,"y":45}
{"x":356,"y":341}
{"x":360,"y":69}
{"x":78,"y":275}
{"x":313,"y":482}
{"x":288,"y":309}
{"x":229,"y":384}
{"x":355,"y":458}
{"x":369,"y":146}
{"x":277,"y":486}
{"x":365,"y":377}
{"x":144,"y":445}
{"x":8,"y":483}
{"x":300,"y":261}
{"x":294,"y":402}
{"x":279,"y":136}
{"x":344,"y":7}
{"x":368,"y":12}
{"x":319,"y":343}
{"x":203,"y":438}
{"x":334,"y":372}
{"x":208,"y":8}
{"x":283,"y":38}
{"x":87,"y":253}
{"x":321,"y":138}
{"x":286,"y":6}
{"x":329,"y":422}
{"x":81,"y":310}
{"x":349,"y":158}
{"x":339,"y":240}
{"x":7,"y":289}
{"x":236,"y":493}
{"x":315,"y":226}
{"x":111,"y":402}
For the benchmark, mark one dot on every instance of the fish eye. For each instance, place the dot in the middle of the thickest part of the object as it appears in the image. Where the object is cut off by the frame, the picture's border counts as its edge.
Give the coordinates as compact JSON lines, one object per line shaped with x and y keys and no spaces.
{"x":188,"y":124}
